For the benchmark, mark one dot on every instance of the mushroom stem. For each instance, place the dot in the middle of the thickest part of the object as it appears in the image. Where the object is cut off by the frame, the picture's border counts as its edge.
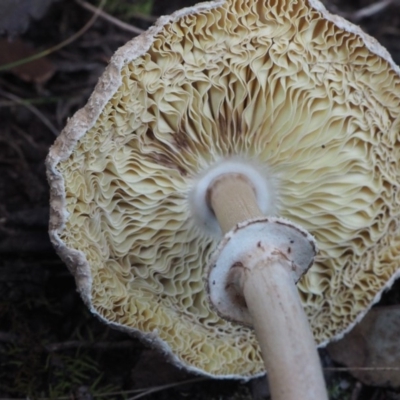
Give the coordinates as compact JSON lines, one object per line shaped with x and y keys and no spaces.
{"x":282,"y":329}
{"x":233,"y":200}
{"x":263,"y":276}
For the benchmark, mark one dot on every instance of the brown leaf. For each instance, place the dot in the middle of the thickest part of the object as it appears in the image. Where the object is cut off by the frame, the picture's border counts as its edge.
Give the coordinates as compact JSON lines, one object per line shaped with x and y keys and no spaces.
{"x":37,"y":71}
{"x":372,"y":349}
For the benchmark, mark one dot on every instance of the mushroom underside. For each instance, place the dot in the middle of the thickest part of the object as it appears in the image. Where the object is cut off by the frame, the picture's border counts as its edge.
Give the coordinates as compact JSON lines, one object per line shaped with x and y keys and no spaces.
{"x":304,"y":102}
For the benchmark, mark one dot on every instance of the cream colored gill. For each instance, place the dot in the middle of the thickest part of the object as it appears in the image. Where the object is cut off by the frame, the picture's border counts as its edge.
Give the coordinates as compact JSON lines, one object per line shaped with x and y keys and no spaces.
{"x":281,"y":86}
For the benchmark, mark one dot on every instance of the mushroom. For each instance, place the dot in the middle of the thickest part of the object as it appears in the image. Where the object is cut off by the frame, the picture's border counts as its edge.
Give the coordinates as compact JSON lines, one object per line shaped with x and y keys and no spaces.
{"x":301,"y":106}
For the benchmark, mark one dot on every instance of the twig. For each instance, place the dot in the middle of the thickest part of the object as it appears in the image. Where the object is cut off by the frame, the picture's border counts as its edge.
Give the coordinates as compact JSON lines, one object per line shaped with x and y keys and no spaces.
{"x":165,"y":387}
{"x":40,"y":101}
{"x":145,"y":17}
{"x":356,"y":391}
{"x":6,"y":337}
{"x":31,"y":108}
{"x":143,"y":392}
{"x":54,"y":347}
{"x":24,"y":136}
{"x":17,"y":149}
{"x":58,"y":46}
{"x":365,"y":12}
{"x":362,"y":369}
{"x":110,"y":18}
{"x":370,"y":10}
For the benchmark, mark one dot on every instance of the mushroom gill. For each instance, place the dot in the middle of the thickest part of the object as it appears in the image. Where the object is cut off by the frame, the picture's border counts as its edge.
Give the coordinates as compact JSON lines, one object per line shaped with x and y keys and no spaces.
{"x":279,"y":86}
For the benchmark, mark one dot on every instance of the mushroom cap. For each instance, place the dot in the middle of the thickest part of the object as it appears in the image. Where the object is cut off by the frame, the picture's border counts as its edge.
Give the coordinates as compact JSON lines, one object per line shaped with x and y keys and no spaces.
{"x":309,"y":98}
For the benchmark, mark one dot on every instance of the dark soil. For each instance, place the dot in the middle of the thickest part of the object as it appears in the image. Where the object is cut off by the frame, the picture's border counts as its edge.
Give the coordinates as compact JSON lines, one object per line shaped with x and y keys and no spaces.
{"x":50,"y":345}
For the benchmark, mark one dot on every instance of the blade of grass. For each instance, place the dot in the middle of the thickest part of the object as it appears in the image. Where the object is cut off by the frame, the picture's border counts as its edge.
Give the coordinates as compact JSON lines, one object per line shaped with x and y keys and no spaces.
{"x":60,"y":45}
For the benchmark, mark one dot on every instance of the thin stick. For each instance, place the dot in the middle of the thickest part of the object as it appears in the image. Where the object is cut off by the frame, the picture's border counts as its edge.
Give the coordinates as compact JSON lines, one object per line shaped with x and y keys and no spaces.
{"x":74,"y":344}
{"x":165,"y":387}
{"x":365,"y":12}
{"x":60,"y":45}
{"x":347,"y":369}
{"x":110,"y":18}
{"x":32,"y":109}
{"x":370,"y":10}
{"x":143,"y":392}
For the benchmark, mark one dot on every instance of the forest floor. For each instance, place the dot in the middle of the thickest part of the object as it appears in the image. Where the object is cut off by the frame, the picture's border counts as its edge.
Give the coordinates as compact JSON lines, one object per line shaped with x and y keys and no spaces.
{"x":50,"y":344}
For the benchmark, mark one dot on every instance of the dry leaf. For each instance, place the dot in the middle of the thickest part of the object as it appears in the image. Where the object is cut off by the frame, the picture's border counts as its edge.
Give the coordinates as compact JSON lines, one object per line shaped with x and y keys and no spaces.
{"x":37,"y":71}
{"x":373,"y":344}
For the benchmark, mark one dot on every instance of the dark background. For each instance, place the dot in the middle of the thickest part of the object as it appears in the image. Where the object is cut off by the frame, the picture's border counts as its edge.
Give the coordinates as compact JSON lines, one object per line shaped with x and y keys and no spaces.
{"x":50,"y":345}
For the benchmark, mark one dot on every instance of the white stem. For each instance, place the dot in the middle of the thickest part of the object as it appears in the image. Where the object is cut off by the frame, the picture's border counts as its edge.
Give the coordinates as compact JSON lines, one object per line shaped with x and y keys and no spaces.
{"x":282,"y":329}
{"x":264,"y":277}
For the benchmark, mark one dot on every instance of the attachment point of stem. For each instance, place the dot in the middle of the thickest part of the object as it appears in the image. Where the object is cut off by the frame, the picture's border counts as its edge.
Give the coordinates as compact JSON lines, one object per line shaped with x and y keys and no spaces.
{"x":264,"y":240}
{"x":249,"y":184}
